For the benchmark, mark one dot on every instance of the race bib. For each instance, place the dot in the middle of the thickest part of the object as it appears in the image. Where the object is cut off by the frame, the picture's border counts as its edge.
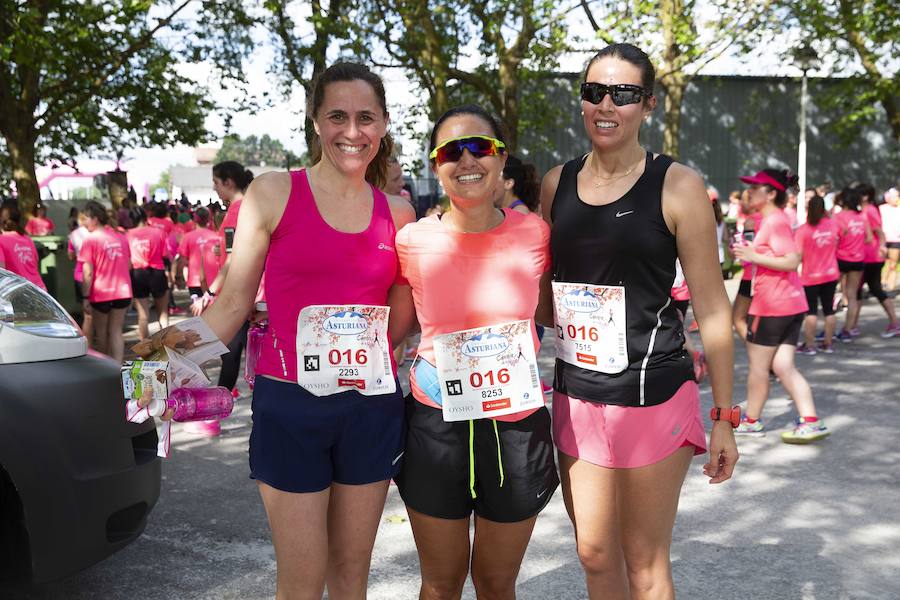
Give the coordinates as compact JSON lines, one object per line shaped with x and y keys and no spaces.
{"x":342,"y":348}
{"x":488,"y":371}
{"x":590,"y":326}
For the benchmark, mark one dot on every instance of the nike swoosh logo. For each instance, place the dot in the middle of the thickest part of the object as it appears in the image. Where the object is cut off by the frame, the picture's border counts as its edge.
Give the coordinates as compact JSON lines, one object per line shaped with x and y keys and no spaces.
{"x":622,"y":214}
{"x":398,"y":458}
{"x":542,"y":493}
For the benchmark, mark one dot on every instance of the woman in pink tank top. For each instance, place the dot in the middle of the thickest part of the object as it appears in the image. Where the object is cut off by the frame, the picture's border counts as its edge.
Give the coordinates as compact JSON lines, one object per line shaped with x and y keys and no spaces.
{"x":325,"y":235}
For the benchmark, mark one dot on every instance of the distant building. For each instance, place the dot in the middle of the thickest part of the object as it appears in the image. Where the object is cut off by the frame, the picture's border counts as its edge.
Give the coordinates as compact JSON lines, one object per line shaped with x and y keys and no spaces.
{"x":196,"y":182}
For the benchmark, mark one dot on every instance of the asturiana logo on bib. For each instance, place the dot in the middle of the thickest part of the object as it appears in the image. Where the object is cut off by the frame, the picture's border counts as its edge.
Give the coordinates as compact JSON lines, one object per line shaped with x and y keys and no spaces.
{"x":486,"y":344}
{"x":581,"y":301}
{"x":347,"y":322}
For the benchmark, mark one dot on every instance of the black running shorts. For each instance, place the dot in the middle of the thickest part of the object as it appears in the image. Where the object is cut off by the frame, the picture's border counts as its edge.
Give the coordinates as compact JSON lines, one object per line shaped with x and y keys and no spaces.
{"x":513,"y":472}
{"x":774,"y":331}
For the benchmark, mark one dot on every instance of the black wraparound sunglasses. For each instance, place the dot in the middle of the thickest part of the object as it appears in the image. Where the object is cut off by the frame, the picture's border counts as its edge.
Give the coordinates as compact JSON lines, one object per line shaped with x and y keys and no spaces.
{"x":621,"y":93}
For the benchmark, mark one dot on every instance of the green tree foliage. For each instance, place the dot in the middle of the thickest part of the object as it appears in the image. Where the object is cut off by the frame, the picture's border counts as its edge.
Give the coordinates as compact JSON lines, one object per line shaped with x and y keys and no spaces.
{"x":681,"y":37}
{"x":515,"y":41}
{"x":861,"y":38}
{"x":252,"y":150}
{"x":82,"y":75}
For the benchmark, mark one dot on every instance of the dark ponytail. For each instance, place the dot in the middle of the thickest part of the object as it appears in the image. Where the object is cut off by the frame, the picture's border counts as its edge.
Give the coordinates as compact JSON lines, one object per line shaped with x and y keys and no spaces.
{"x":525,"y":187}
{"x":137,"y":215}
{"x":786,"y":179}
{"x":815,"y":210}
{"x":234,"y":171}
{"x":376,"y":173}
{"x":852,"y":197}
{"x":11,"y":219}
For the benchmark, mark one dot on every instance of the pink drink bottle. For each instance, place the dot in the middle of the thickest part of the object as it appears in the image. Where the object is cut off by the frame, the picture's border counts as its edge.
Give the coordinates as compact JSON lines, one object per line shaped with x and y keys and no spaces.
{"x":195,"y":404}
{"x":255,"y":337}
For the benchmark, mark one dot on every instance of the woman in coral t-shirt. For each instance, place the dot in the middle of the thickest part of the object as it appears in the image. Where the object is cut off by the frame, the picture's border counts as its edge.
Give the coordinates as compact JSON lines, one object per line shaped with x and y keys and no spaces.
{"x":39,"y":224}
{"x":17,"y":252}
{"x":149,"y":277}
{"x":817,"y":241}
{"x":107,"y":279}
{"x":854,"y":235}
{"x":777,"y":311}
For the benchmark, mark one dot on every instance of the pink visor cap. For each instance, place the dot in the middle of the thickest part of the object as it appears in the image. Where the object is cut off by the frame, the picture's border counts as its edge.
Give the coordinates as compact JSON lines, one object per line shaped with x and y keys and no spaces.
{"x":763,"y":178}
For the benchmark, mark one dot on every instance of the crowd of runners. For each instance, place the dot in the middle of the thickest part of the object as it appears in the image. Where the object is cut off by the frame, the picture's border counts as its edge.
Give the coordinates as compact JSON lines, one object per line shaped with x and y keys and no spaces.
{"x":604,"y":257}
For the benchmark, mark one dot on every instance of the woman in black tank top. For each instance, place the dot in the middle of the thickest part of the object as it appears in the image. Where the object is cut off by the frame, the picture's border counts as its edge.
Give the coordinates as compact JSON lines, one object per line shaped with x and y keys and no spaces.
{"x":620,"y":216}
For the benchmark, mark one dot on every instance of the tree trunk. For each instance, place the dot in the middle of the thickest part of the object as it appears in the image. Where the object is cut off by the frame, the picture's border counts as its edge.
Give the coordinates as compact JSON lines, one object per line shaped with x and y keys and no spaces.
{"x":672,"y":118}
{"x":21,"y":154}
{"x":510,"y":110}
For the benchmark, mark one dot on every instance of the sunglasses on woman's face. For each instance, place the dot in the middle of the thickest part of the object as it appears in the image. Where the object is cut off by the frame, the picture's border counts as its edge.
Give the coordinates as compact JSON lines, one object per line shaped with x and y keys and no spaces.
{"x":478,"y":146}
{"x":621,"y":93}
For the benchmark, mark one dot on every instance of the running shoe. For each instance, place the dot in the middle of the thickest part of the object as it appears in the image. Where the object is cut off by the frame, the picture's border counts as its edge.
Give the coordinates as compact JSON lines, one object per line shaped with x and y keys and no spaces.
{"x":806,"y":350}
{"x":176,"y":310}
{"x":805,"y":433}
{"x":235,"y":393}
{"x":844,"y":336}
{"x":410,"y":354}
{"x":891,"y":331}
{"x":825,"y":348}
{"x":547,"y":389}
{"x":855,"y":332}
{"x":820,"y":336}
{"x":693,"y":327}
{"x":748,"y":427}
{"x":700,"y":366}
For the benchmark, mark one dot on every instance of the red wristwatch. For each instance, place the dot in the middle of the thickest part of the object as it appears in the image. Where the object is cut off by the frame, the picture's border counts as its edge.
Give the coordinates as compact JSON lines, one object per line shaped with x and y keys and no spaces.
{"x":732,"y":414}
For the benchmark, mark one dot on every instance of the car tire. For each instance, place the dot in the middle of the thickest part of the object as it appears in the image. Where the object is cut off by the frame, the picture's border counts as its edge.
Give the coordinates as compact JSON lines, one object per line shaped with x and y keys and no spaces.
{"x":15,"y":553}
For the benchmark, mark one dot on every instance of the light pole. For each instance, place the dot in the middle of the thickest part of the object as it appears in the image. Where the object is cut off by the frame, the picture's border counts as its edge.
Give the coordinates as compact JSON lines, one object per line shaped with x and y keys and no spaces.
{"x":806,"y":59}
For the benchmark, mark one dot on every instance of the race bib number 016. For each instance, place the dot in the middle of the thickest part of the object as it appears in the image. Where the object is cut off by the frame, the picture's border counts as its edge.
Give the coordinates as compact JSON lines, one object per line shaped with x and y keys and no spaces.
{"x":590,"y":326}
{"x":342,"y":348}
{"x":488,"y":371}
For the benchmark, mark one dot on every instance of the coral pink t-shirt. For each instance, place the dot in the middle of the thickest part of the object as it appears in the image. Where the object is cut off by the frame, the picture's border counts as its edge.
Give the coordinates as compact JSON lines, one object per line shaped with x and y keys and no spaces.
{"x":791,"y":213}
{"x":873,"y":249}
{"x":147,"y":246}
{"x":818,"y":244}
{"x":466,"y":280}
{"x":776,"y":293}
{"x":852,"y":232}
{"x":198,"y":249}
{"x":163,"y":223}
{"x":39,"y":226}
{"x":21,"y":257}
{"x":229,"y":222}
{"x":890,"y":216}
{"x":107,"y":250}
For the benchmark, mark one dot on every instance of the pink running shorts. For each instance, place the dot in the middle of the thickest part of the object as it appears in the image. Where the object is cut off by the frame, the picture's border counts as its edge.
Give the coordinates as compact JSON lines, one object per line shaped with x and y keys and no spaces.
{"x":627,"y":437}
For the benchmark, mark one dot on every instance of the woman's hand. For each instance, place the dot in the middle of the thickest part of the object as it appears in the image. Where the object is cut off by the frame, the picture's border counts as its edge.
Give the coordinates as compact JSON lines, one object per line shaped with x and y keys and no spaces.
{"x":723,"y":453}
{"x":147,"y":397}
{"x":744,"y":253}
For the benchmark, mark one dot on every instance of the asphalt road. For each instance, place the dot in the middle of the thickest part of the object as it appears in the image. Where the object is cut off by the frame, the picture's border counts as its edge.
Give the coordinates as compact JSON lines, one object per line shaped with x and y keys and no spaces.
{"x":797,"y":522}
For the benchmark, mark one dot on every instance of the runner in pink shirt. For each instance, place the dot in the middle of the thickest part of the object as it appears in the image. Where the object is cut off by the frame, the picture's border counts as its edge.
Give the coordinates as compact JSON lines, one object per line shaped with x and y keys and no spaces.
{"x":747,"y":228}
{"x":817,"y":241}
{"x":777,"y":311}
{"x":873,"y":260}
{"x":475,"y":266}
{"x":149,"y":277}
{"x":107,"y":279}
{"x":197,"y":252}
{"x":890,"y":217}
{"x":39,"y":224}
{"x":854,"y":235}
{"x":17,"y":251}
{"x":76,"y":239}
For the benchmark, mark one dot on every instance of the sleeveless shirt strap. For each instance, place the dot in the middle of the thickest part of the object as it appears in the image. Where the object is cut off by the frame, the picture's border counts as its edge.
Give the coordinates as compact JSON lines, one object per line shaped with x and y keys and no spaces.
{"x":568,"y":183}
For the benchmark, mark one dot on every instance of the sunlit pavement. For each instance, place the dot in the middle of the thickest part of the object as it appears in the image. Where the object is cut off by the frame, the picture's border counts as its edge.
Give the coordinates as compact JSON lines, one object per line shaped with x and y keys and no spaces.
{"x":806,"y":522}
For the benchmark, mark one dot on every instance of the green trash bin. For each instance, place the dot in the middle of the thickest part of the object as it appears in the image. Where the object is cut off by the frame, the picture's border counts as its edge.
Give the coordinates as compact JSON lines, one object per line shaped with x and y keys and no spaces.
{"x":57,"y":270}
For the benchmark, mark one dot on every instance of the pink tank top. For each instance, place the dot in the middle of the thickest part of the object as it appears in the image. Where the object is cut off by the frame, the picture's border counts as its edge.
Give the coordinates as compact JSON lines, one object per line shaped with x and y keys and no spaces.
{"x":310,"y":262}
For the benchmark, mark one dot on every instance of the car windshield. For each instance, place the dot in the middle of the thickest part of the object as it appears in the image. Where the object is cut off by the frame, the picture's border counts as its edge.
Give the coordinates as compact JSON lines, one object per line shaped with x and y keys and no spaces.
{"x":28,"y":308}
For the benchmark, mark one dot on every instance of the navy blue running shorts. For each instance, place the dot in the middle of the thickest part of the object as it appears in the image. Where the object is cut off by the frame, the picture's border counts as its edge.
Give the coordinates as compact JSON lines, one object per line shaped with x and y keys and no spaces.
{"x":304,"y":443}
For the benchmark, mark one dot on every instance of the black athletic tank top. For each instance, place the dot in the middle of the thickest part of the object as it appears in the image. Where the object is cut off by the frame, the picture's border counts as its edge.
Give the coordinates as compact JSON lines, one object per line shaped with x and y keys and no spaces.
{"x":623,"y":243}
